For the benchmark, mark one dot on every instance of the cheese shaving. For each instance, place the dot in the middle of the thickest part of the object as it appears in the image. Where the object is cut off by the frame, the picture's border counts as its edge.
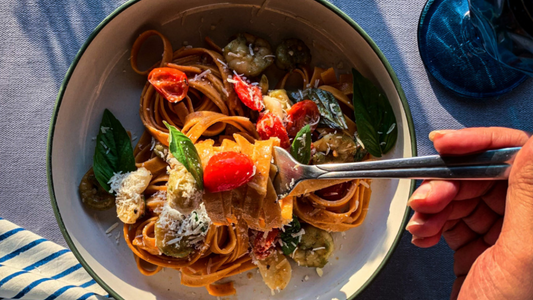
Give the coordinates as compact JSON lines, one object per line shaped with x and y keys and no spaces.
{"x":221,"y":62}
{"x":365,"y":184}
{"x":299,"y":233}
{"x":193,"y":227}
{"x":200,"y":76}
{"x":111,"y":228}
{"x":104,"y":129}
{"x":251,"y":50}
{"x":391,"y":128}
{"x":319,"y":272}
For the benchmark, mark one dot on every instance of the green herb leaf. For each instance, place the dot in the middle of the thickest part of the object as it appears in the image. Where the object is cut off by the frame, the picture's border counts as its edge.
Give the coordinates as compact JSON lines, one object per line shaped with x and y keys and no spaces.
{"x":113,"y":152}
{"x":301,"y":146}
{"x":290,"y":242}
{"x":330,"y":111}
{"x":184,"y":151}
{"x":376,"y":123}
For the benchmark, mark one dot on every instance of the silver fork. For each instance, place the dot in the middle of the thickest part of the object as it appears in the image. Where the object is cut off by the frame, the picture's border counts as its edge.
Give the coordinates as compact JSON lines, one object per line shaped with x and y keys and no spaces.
{"x":488,"y":165}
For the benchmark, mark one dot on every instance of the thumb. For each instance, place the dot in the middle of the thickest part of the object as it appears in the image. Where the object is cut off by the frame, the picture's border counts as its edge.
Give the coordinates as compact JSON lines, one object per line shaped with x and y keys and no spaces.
{"x":517,"y":229}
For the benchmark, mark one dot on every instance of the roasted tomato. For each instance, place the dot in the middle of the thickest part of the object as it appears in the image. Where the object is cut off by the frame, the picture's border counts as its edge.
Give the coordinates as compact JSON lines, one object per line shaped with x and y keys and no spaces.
{"x":334,"y":192}
{"x":263,"y":244}
{"x":227,"y":170}
{"x":270,"y":125}
{"x":250,"y":95}
{"x":170,"y":83}
{"x":300,"y":114}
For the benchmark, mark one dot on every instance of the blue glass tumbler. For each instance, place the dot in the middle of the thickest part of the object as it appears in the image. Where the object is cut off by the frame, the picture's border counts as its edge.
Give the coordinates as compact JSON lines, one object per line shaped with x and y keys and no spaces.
{"x":477,"y":48}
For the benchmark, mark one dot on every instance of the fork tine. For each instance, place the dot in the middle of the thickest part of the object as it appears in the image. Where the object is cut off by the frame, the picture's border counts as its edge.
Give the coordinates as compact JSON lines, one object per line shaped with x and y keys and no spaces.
{"x":289,"y":172}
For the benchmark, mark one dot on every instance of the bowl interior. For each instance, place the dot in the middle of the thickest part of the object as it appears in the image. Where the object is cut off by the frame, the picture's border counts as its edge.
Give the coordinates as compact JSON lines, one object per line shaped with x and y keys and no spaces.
{"x":102,"y":78}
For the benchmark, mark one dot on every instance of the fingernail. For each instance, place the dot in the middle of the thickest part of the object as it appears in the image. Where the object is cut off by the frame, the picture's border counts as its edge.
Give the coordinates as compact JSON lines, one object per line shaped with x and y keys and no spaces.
{"x":415,"y":238}
{"x":421,"y":192}
{"x":438,"y":133}
{"x":413,"y":222}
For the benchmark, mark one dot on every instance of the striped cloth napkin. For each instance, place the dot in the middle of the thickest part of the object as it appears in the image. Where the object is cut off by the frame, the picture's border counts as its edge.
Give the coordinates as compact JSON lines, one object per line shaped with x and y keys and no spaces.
{"x":34,"y":268}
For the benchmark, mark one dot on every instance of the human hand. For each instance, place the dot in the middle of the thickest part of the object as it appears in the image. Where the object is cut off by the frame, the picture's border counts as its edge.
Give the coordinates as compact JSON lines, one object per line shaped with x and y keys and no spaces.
{"x":489,"y":224}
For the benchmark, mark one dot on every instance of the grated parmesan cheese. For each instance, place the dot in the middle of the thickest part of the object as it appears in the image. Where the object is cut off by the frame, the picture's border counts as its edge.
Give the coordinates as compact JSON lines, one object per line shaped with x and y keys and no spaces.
{"x":319,"y":272}
{"x":153,"y":144}
{"x":178,"y":226}
{"x":356,"y":135}
{"x":299,"y":233}
{"x":251,"y":50}
{"x":225,"y":91}
{"x":129,"y":188}
{"x":391,"y":128}
{"x":111,"y":228}
{"x":314,"y":212}
{"x":223,"y":63}
{"x":200,"y":76}
{"x":365,"y":184}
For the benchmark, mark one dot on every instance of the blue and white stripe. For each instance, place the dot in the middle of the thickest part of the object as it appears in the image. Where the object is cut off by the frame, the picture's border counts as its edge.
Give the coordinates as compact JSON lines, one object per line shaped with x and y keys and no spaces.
{"x":34,"y":268}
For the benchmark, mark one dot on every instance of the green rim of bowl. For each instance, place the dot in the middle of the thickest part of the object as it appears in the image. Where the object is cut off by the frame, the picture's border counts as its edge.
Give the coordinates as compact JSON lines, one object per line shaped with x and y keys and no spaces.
{"x":66,"y":80}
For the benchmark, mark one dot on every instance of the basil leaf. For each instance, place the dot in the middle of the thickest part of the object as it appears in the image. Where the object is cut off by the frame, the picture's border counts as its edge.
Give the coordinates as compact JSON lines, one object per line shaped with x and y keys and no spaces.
{"x":113,"y":152}
{"x":330,"y":111}
{"x":301,"y":146}
{"x":376,"y":123}
{"x":184,"y":151}
{"x":290,"y":242}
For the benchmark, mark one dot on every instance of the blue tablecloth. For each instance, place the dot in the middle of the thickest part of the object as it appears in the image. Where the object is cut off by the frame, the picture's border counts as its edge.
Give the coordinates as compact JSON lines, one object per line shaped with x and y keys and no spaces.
{"x":39,"y":39}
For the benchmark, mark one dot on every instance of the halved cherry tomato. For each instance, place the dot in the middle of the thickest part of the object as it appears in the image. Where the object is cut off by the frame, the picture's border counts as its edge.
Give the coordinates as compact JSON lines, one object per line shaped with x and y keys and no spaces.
{"x":334,"y":192}
{"x":227,"y":170}
{"x":249,"y":94}
{"x":270,"y":125}
{"x":263,"y":246}
{"x":301,"y":114}
{"x":170,"y":83}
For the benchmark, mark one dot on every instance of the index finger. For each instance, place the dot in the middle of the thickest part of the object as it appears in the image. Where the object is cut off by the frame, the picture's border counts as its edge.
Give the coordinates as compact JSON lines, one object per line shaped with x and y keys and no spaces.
{"x":470,"y":140}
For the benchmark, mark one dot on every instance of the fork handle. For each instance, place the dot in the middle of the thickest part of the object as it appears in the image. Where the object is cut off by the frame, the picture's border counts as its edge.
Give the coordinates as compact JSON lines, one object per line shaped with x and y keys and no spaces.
{"x":491,"y":157}
{"x":487,"y":172}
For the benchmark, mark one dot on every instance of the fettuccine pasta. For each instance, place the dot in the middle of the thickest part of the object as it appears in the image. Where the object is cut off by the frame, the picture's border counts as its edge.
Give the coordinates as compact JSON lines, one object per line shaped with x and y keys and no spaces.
{"x":216,"y":225}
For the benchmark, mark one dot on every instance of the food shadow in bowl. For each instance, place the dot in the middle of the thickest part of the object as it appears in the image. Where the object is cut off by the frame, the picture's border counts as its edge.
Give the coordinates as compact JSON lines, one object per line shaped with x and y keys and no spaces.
{"x":101,"y":77}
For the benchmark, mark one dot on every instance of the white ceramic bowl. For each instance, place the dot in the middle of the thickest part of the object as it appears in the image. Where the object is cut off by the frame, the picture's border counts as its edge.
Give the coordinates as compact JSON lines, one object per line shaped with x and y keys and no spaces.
{"x":101,"y":77}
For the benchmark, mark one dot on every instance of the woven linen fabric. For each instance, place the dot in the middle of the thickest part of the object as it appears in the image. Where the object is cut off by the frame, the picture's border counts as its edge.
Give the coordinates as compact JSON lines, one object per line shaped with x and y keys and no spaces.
{"x":40,"y":38}
{"x":34,"y":268}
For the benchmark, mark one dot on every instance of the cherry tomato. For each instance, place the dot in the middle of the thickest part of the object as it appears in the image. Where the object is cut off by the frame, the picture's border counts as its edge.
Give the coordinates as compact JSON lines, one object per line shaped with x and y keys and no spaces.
{"x":270,"y":125}
{"x":170,"y":83}
{"x":227,"y":170}
{"x":334,"y":192}
{"x":263,"y":246}
{"x":249,"y":94}
{"x":301,"y":114}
